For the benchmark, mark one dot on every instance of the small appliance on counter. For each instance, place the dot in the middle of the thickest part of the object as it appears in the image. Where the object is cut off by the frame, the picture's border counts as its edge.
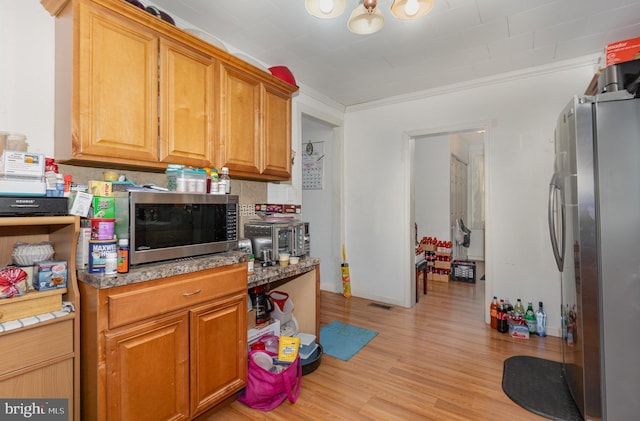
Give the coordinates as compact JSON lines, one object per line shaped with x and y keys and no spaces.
{"x":270,"y":238}
{"x":169,"y":225}
{"x":33,"y":206}
{"x":244,"y":245}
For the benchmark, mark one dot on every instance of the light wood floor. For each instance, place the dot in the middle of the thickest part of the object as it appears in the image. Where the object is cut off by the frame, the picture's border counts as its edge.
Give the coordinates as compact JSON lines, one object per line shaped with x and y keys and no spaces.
{"x":435,"y":361}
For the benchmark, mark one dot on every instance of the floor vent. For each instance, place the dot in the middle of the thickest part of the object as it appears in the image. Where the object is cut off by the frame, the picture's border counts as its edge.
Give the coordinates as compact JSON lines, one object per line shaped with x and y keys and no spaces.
{"x":383,"y":306}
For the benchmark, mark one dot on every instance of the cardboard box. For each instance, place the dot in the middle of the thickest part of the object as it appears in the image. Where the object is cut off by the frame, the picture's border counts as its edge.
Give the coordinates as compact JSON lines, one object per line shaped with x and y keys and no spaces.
{"x":440,"y":278}
{"x":272,"y":328}
{"x":518,"y":331}
{"x":621,"y":51}
{"x":22,"y":187}
{"x":82,"y":248}
{"x":442,"y":265}
{"x":104,"y":207}
{"x":291,"y":209}
{"x":23,"y":164}
{"x":50,"y":275}
{"x":100,"y":188}
{"x":269,"y":207}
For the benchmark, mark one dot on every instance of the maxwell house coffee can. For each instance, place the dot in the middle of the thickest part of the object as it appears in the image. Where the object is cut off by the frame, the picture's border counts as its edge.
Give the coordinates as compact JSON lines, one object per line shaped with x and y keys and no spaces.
{"x":98,"y":251}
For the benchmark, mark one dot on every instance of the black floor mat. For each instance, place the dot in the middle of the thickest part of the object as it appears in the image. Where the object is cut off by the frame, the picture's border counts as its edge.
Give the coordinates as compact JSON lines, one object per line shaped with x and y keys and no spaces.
{"x":538,"y":385}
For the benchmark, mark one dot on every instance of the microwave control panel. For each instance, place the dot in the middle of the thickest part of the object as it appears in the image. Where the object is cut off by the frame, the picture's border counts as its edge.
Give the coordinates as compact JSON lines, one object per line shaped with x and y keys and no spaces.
{"x":232,"y":222}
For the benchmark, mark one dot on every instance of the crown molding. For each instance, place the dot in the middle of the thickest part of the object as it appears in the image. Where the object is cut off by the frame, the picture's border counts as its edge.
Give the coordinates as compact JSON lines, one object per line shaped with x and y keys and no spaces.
{"x":592,"y":59}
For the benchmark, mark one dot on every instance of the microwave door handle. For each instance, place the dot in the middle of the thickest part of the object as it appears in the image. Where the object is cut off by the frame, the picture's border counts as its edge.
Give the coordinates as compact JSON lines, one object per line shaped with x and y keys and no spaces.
{"x":554,"y":186}
{"x":292,"y":241}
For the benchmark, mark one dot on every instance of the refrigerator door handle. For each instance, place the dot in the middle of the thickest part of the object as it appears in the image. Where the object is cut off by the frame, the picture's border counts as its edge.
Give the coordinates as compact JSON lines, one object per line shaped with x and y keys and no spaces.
{"x":554,"y":186}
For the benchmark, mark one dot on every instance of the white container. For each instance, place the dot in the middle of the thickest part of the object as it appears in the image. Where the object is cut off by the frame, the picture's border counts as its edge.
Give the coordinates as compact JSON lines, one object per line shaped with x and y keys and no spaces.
{"x":111,"y":264}
{"x":187,"y":180}
{"x":263,"y":359}
{"x":282,"y":307}
{"x":284,"y":259}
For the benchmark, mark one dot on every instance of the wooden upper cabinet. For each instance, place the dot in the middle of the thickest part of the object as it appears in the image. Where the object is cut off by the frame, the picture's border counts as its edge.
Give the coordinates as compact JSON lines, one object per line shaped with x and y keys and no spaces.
{"x":277,"y":133}
{"x":239,"y":122}
{"x":133,"y":91}
{"x":186,"y":105}
{"x":115,"y":109}
{"x":255,"y":127}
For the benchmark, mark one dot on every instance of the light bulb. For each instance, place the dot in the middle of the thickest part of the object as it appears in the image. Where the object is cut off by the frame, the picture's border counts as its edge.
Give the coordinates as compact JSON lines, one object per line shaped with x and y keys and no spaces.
{"x":411,"y":8}
{"x":326,"y":6}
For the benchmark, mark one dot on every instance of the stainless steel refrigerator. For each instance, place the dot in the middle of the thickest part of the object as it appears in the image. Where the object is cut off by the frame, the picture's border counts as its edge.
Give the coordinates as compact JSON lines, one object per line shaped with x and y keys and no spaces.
{"x":594,"y":222}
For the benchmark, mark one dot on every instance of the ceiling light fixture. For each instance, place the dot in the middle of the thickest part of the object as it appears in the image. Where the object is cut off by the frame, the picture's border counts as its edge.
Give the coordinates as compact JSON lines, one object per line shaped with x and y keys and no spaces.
{"x":325,"y":9}
{"x":367,"y":18}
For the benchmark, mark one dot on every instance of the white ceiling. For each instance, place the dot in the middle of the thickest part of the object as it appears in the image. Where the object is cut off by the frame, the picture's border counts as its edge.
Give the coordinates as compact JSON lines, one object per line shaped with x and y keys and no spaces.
{"x":460,"y":40}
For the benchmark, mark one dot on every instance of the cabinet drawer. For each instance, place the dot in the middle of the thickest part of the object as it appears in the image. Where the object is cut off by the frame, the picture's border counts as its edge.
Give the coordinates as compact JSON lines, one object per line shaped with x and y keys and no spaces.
{"x":142,"y":301}
{"x":25,"y":347}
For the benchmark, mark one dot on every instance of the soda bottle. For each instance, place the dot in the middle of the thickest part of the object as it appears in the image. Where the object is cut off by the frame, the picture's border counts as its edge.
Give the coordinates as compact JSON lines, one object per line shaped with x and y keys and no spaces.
{"x":519,"y":308}
{"x":530,"y":318}
{"x":503,"y":324}
{"x":508,"y":306}
{"x":494,"y":313}
{"x":541,"y":320}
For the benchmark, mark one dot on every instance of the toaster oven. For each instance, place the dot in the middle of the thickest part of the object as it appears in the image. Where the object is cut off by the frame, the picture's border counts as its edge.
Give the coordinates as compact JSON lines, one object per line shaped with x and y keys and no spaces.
{"x":278,"y":237}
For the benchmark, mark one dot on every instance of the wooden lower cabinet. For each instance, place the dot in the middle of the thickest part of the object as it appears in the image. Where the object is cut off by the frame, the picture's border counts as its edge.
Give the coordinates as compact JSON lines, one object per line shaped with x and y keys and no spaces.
{"x":187,"y":354}
{"x":218,"y":352}
{"x":147,"y":371}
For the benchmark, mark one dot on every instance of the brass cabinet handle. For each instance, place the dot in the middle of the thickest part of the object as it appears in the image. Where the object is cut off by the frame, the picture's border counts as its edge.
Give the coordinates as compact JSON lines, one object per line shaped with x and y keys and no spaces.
{"x":188,"y":294}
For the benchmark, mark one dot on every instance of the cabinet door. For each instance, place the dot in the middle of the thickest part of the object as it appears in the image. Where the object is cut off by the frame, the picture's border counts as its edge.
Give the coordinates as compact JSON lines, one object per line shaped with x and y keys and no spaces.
{"x":186,"y":105}
{"x":115,"y":105}
{"x":218,"y":351}
{"x":147,"y":371}
{"x":239,"y":122}
{"x":277,"y":134}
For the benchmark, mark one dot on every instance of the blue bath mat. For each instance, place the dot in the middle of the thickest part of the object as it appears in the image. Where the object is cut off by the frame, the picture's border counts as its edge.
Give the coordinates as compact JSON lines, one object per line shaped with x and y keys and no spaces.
{"x":343,"y":341}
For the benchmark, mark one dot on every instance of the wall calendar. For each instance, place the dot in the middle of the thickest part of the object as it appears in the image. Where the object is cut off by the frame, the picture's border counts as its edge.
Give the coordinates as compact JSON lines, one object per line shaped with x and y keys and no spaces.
{"x":312,"y":169}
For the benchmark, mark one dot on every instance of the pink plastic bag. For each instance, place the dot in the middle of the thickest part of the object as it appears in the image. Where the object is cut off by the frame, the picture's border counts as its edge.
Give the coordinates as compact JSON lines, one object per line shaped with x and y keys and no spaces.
{"x":266,"y":390}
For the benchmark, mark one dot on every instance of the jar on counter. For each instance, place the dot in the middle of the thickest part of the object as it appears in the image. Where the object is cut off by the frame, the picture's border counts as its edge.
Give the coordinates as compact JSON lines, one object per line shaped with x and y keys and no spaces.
{"x":225,"y":181}
{"x":111,"y":264}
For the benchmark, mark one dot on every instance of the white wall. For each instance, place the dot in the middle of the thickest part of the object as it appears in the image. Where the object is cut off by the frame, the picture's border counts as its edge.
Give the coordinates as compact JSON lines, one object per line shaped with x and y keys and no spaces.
{"x":432,"y":188}
{"x":26,"y":73}
{"x":522,"y":114}
{"x":320,"y":206}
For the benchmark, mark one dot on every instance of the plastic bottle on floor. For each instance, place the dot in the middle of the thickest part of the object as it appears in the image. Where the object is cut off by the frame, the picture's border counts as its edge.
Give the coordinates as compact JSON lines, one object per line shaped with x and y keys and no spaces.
{"x":519,"y":308}
{"x":503,"y":323}
{"x":494,"y":313}
{"x":530,"y":318}
{"x":541,"y":320}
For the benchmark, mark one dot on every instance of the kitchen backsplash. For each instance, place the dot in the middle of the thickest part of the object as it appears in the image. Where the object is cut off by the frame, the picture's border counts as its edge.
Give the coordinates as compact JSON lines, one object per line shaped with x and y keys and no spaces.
{"x":249,"y":192}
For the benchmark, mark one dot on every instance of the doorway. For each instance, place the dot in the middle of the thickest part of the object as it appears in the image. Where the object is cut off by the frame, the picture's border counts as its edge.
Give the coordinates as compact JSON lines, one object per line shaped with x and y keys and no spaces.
{"x":322,"y":166}
{"x":441,"y":161}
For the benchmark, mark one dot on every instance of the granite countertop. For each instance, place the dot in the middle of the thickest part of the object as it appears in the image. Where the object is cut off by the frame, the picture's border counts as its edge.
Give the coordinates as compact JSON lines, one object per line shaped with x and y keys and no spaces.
{"x":264,"y":275}
{"x":151,"y":271}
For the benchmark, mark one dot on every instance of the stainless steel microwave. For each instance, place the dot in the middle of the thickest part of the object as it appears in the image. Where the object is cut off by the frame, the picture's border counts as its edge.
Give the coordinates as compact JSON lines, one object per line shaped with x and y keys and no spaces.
{"x":168,"y":225}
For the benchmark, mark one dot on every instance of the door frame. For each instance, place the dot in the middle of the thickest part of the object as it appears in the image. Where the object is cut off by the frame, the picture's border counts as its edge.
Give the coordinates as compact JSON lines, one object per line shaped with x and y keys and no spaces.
{"x":339,"y":232}
{"x":408,"y":148}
